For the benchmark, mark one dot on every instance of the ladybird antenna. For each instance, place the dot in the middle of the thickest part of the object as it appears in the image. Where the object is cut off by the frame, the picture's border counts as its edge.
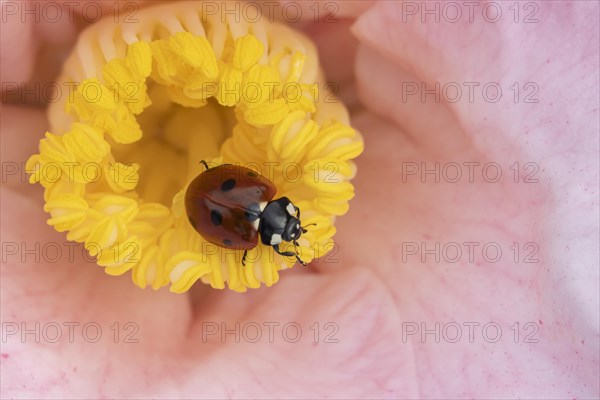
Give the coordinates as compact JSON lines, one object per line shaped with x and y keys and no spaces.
{"x":205,"y":164}
{"x":305,"y":226}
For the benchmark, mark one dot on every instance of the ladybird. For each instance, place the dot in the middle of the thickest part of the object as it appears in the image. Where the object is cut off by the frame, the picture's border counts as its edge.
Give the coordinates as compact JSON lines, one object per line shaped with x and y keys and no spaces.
{"x":231,"y":206}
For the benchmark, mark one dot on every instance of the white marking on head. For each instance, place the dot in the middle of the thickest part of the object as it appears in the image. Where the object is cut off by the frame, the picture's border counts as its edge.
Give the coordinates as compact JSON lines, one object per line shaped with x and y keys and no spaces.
{"x":262,"y":206}
{"x":290,"y":209}
{"x":276,"y":239}
{"x":255,"y":223}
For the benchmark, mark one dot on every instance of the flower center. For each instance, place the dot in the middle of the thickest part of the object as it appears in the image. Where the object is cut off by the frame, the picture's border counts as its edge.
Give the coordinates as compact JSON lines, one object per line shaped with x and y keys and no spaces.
{"x":174,"y":140}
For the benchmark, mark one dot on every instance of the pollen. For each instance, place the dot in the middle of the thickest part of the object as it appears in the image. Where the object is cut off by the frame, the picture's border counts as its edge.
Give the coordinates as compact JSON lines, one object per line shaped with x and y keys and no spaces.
{"x":155,"y":98}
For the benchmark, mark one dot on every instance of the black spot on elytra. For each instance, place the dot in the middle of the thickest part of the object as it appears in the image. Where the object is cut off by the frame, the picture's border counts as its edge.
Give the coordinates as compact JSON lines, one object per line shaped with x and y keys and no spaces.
{"x":192,"y":221}
{"x":215,"y":217}
{"x":227,"y":242}
{"x":228,"y":185}
{"x":252,"y":174}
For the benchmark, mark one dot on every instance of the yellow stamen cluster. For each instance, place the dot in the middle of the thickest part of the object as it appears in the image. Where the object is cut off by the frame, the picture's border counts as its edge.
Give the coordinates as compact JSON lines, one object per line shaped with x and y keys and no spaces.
{"x":115,"y":179}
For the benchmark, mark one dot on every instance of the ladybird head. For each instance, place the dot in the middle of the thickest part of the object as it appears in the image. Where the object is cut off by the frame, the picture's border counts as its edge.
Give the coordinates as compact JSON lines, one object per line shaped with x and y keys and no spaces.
{"x":280,"y":221}
{"x":292,"y":230}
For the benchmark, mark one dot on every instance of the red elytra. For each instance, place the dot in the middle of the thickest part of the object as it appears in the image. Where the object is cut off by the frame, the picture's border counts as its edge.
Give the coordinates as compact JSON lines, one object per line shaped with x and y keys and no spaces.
{"x":223,"y":204}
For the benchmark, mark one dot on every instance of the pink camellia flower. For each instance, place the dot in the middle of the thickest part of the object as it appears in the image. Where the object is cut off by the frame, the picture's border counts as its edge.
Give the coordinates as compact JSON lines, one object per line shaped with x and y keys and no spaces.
{"x":467,"y":266}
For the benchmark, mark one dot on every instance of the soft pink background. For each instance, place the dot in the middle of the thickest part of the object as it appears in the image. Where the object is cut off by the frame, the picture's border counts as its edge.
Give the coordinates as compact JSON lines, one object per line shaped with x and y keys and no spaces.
{"x":371,"y":294}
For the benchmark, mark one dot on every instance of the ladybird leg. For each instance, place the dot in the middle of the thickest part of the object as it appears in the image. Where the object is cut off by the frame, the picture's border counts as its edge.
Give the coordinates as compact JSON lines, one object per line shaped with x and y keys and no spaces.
{"x":288,"y":254}
{"x":296,"y":245}
{"x":283,"y":253}
{"x":205,"y":164}
{"x":299,"y":259}
{"x":297,"y":256}
{"x":244,"y":258}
